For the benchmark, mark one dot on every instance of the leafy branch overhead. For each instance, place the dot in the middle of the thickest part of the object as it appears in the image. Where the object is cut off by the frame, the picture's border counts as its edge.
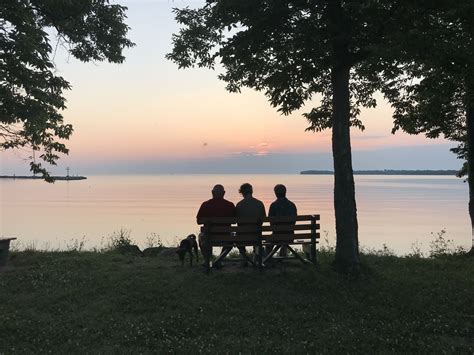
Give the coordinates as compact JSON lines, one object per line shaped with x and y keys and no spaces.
{"x":31,"y":92}
{"x":283,"y":48}
{"x":434,"y":93}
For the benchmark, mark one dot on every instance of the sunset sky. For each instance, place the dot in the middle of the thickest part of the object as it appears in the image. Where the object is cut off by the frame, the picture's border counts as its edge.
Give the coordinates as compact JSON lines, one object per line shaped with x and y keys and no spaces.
{"x":146,"y":116}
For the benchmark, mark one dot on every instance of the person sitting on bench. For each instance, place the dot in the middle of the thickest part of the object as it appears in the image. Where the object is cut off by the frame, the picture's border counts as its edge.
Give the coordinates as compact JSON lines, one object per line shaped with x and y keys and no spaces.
{"x":218,"y":206}
{"x":281,"y":207}
{"x":249,"y":206}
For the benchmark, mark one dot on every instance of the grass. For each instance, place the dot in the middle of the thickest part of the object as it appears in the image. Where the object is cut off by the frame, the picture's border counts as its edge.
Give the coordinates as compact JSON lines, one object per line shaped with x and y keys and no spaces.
{"x":76,"y":302}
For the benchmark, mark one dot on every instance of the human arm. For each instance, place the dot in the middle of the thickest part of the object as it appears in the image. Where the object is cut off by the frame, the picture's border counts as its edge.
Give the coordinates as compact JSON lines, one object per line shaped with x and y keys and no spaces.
{"x":263,"y":212}
{"x":295,"y":210}
{"x":201,"y":213}
{"x":271,"y":211}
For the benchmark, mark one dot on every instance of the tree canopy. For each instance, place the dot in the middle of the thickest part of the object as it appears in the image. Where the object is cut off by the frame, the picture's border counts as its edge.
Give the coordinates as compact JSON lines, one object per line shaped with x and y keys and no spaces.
{"x":285,"y":49}
{"x":433,"y":93}
{"x":31,"y":92}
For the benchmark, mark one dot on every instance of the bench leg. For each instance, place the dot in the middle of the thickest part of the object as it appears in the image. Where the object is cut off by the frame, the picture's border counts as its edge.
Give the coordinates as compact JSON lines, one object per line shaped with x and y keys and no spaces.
{"x":208,"y":265}
{"x":273,"y":252}
{"x":223,"y":254}
{"x":304,"y":261}
{"x":248,"y":258}
{"x":207,"y":253}
{"x":312,"y":251}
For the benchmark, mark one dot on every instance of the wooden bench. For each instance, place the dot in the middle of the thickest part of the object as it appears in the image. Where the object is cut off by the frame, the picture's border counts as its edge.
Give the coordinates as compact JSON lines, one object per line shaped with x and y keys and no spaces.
{"x":4,"y":247}
{"x":272,"y":232}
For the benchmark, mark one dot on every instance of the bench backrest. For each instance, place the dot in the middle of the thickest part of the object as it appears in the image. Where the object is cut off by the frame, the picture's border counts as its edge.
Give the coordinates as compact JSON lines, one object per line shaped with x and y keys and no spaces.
{"x":222,"y":230}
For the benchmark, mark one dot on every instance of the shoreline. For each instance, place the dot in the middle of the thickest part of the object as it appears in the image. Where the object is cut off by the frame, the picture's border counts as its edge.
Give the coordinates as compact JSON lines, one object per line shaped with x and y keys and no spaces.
{"x":387,"y":172}
{"x":28,"y":177}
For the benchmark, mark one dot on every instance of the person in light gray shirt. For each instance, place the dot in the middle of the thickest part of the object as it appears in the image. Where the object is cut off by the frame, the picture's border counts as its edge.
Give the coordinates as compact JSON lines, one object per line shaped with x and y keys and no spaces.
{"x":249,"y":206}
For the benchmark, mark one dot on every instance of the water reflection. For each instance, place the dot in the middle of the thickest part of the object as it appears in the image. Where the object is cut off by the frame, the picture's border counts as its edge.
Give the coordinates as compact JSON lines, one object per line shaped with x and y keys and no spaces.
{"x":393,"y":210}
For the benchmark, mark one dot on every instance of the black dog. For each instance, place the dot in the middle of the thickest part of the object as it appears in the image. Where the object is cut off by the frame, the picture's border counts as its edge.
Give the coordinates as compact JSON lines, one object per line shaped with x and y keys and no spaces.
{"x":186,"y":246}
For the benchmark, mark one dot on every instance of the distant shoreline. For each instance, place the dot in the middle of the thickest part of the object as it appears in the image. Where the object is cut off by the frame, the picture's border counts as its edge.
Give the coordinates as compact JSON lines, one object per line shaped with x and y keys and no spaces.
{"x":385,"y":172}
{"x":25,"y":177}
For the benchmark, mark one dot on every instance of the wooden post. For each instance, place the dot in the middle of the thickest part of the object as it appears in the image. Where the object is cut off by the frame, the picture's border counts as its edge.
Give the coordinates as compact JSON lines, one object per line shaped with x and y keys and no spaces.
{"x":312,"y":249}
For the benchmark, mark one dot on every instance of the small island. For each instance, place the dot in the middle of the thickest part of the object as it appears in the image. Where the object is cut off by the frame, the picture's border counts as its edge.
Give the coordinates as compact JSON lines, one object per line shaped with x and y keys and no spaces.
{"x":23,"y":177}
{"x":385,"y":172}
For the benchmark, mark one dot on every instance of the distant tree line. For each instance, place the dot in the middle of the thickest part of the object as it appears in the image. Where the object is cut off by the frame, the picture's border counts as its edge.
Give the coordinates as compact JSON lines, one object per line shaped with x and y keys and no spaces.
{"x":385,"y":172}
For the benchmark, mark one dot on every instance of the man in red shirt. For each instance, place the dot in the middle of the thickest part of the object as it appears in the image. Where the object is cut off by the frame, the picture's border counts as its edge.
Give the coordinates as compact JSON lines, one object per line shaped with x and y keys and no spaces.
{"x":217,"y":206}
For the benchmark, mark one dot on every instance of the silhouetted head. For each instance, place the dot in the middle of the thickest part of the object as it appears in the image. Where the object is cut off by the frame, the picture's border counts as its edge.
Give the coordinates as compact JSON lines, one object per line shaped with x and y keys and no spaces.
{"x":246,"y":189}
{"x":280,"y":190}
{"x":218,"y":191}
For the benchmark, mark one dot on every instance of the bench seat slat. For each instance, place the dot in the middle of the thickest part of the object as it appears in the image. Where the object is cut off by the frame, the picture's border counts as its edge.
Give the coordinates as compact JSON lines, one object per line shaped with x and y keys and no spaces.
{"x":291,"y":219}
{"x":282,"y":242}
{"x":289,"y":227}
{"x":254,"y":237}
{"x":265,"y":228}
{"x":289,"y":237}
{"x":232,"y":220}
{"x":230,"y":238}
{"x":223,"y":243}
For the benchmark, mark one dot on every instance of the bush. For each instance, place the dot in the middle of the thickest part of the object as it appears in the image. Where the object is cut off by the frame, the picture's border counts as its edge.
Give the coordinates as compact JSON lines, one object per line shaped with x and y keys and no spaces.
{"x":442,"y":246}
{"x":121,"y":242}
{"x":153,"y":240}
{"x":416,"y":251}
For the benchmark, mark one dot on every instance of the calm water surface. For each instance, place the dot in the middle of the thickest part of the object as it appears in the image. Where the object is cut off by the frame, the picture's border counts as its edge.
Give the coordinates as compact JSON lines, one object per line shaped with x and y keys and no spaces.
{"x":394,"y":210}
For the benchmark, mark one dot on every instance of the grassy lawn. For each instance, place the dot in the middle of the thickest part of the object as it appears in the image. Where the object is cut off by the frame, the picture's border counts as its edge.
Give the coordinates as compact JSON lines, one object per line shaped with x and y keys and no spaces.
{"x":105,"y":302}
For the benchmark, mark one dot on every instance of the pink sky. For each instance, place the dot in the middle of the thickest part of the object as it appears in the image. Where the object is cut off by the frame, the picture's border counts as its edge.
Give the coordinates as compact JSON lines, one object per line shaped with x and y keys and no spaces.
{"x":148,"y":109}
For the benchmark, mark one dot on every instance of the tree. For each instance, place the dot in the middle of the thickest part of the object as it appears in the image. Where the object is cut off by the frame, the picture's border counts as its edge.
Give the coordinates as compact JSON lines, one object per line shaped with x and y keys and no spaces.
{"x":434,"y":91}
{"x":31,"y":92}
{"x":293,"y":50}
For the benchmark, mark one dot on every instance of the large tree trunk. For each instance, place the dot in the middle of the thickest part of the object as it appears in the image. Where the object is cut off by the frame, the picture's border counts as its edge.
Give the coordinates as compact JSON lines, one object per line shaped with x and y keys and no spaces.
{"x":470,"y":154}
{"x":347,"y":245}
{"x":347,"y":242}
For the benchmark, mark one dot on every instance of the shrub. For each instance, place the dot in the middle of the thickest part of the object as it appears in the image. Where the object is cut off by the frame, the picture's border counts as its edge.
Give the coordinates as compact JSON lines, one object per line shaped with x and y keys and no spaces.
{"x":328,"y":246}
{"x":153,"y":240}
{"x":121,"y":238}
{"x":441,"y":245}
{"x":416,"y":251}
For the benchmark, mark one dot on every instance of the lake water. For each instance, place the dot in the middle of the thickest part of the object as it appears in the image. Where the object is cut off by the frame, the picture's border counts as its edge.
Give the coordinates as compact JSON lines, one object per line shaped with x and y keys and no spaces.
{"x":398,"y":211}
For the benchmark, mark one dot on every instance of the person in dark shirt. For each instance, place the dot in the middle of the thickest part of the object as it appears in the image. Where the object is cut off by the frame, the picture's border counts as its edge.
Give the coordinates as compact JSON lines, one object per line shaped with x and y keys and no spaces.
{"x":282,"y":207}
{"x":215,"y":207}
